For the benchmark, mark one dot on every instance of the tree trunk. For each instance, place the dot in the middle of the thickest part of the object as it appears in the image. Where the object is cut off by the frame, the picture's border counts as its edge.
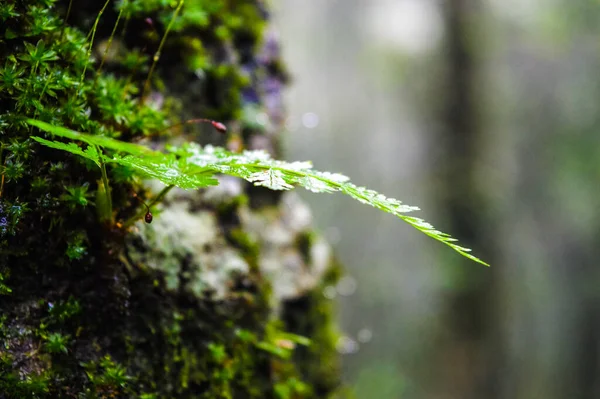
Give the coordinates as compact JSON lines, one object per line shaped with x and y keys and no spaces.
{"x":464,"y":357}
{"x":212,"y":298}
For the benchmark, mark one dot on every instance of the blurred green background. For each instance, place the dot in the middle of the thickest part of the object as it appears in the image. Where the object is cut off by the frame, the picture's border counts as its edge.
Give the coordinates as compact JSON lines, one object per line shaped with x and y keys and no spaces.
{"x":485,"y":113}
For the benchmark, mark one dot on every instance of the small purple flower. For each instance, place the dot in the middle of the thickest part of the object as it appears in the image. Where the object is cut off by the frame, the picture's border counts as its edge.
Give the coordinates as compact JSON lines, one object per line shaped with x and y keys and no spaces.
{"x":250,"y":96}
{"x":3,"y":220}
{"x":3,"y":226}
{"x":272,"y":85}
{"x":270,"y":50}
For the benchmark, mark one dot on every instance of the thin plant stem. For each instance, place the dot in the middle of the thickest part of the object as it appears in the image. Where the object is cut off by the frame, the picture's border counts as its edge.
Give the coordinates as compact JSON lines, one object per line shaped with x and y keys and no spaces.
{"x":40,"y":100}
{"x":110,"y":39}
{"x":106,"y":186}
{"x":137,"y":66}
{"x":91,"y":44}
{"x":188,"y":122}
{"x":62,"y":35}
{"x":125,"y":25}
{"x":154,"y":201}
{"x":157,"y":54}
{"x":129,"y":79}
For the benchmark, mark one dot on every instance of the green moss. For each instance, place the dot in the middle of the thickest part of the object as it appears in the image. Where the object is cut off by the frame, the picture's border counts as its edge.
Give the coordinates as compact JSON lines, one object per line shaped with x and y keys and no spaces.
{"x":314,"y":316}
{"x":106,"y":377}
{"x":4,"y":289}
{"x":64,"y":310}
{"x":56,"y":343}
{"x":33,"y":386}
{"x":248,"y":245}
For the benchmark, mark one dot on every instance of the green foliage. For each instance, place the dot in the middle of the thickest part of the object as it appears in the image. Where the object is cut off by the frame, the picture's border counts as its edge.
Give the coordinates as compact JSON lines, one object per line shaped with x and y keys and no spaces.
{"x":103,"y":203}
{"x":7,"y":11}
{"x":10,"y":77}
{"x":4,"y":289}
{"x":14,"y":386}
{"x":75,"y":246}
{"x":38,"y":56}
{"x":275,"y":341}
{"x":65,"y":310}
{"x":192,"y":166}
{"x":116,"y":375}
{"x":291,"y":388}
{"x":217,"y":352}
{"x":10,"y":216}
{"x":56,"y":343}
{"x":101,"y":141}
{"x":77,"y":195}
{"x":13,"y":170}
{"x":19,"y":149}
{"x":107,"y":373}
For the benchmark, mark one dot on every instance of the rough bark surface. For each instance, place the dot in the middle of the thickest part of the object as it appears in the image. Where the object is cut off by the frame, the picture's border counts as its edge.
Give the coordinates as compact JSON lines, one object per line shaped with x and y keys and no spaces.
{"x":200,"y":302}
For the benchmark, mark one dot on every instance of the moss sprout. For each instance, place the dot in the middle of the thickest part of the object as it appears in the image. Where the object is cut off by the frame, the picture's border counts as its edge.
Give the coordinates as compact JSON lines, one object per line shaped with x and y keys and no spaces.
{"x":56,"y":343}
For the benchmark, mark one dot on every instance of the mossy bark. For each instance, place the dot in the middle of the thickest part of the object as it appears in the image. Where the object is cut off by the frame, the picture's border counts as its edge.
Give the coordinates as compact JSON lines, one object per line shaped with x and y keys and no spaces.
{"x":213,"y":298}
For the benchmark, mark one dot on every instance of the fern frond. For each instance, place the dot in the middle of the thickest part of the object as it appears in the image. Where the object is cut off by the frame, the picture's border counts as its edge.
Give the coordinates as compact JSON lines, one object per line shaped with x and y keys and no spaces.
{"x":101,"y":141}
{"x":259,"y":168}
{"x":192,"y":166}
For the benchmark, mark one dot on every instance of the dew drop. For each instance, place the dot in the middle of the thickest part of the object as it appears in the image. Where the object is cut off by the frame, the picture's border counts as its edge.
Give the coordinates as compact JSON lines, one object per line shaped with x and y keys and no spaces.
{"x":171,"y":173}
{"x":262,"y":118}
{"x":346,"y":345}
{"x":346,"y":286}
{"x":364,"y":335}
{"x":329,"y":292}
{"x":310,"y":120}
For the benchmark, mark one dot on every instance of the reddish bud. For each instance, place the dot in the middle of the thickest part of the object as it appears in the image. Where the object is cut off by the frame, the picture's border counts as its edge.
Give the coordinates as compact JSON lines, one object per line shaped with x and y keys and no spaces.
{"x":149,"y":22}
{"x":148,"y":217}
{"x":221,"y":128}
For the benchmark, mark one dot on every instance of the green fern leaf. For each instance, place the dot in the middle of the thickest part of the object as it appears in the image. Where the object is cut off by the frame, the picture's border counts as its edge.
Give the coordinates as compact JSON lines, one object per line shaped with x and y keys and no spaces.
{"x":259,"y":168}
{"x":102,"y":141}
{"x":191,"y":166}
{"x":168,"y":170}
{"x":90,"y":152}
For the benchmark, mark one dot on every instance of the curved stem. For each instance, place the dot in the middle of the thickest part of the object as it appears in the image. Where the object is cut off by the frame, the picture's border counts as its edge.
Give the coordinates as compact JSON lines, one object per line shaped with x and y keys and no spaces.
{"x":188,"y":122}
{"x":154,"y":201}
